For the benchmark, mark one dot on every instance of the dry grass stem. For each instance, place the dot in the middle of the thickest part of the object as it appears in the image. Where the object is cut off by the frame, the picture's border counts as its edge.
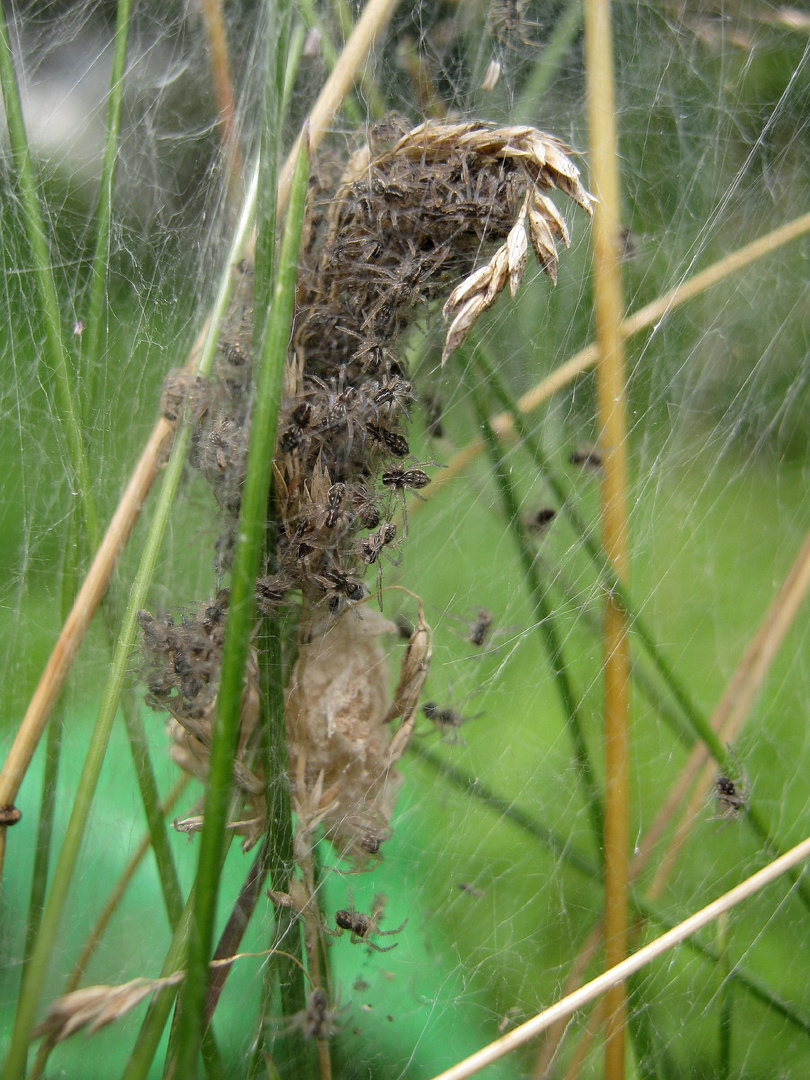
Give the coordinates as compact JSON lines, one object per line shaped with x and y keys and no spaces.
{"x":619,"y":974}
{"x":642,"y":319}
{"x":612,"y":427}
{"x":93,"y":1007}
{"x":728,"y":718}
{"x":84,"y":607}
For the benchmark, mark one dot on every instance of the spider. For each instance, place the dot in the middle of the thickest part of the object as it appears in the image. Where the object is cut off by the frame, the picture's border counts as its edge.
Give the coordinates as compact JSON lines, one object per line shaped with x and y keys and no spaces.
{"x":731,"y":798}
{"x":480,"y":627}
{"x":337,"y":583}
{"x":317,"y":1020}
{"x":371,"y":548}
{"x":361,"y":926}
{"x":395,"y":443}
{"x":446,"y":720}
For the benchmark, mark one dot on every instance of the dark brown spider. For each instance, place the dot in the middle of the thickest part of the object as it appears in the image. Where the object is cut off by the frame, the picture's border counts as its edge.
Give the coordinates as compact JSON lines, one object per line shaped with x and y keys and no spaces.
{"x":395,"y":443}
{"x":587,"y":457}
{"x":334,"y":498}
{"x":540,"y":520}
{"x":731,"y":799}
{"x":480,"y":627}
{"x":365,"y":506}
{"x":300,"y":420}
{"x":339,"y":584}
{"x":371,"y":547}
{"x":401,"y":480}
{"x":361,"y":927}
{"x":446,"y":720}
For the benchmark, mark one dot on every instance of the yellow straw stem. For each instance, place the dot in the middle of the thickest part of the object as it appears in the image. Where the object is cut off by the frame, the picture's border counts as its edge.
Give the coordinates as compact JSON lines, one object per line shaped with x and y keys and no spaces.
{"x":612,"y":440}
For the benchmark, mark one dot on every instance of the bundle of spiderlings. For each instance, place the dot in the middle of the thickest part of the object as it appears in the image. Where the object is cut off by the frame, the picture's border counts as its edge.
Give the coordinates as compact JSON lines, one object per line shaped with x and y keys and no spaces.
{"x":411,"y":217}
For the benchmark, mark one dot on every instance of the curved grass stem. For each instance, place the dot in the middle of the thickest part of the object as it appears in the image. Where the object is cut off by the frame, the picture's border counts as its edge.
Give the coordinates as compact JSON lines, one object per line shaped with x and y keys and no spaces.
{"x":546,"y":626}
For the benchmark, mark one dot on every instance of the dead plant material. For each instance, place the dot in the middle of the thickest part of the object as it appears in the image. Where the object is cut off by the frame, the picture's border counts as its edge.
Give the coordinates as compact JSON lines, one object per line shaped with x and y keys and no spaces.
{"x":342,"y":748}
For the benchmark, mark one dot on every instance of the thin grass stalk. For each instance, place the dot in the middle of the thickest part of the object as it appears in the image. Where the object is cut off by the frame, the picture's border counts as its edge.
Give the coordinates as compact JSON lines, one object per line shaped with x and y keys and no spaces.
{"x":473,"y":787}
{"x":95,"y":325}
{"x":56,"y":670}
{"x":649,"y":315}
{"x":612,"y":425}
{"x":552,"y":57}
{"x":222,"y":87}
{"x":50,"y":772}
{"x":280,"y":974}
{"x":610,"y":580}
{"x":157,"y":1014}
{"x":729,"y":716}
{"x":619,"y":974}
{"x":33,"y":984}
{"x":331,"y":54}
{"x":638,"y":672}
{"x":47,"y":303}
{"x":616,"y":588}
{"x":252,"y":525}
{"x":278,"y":17}
{"x":376,"y":16}
{"x":126,"y":515}
{"x":546,"y":626}
{"x":726,"y":719}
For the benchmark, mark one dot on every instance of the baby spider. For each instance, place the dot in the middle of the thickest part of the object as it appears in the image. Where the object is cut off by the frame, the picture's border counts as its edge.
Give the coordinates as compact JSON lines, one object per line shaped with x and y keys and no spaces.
{"x":361,"y":926}
{"x":447,"y":720}
{"x":400,"y":480}
{"x":480,"y":627}
{"x":731,"y":798}
{"x":317,"y":1020}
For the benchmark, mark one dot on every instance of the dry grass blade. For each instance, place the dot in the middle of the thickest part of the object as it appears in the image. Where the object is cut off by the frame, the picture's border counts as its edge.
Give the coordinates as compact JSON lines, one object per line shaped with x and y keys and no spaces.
{"x":621,"y":972}
{"x":541,"y":161}
{"x":94,"y":1007}
{"x":642,"y":319}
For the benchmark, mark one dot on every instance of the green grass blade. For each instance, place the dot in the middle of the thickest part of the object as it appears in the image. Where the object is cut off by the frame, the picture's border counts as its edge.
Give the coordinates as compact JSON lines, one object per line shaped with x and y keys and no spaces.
{"x":278,"y":20}
{"x":554,"y":53}
{"x":252,"y":525}
{"x":55,"y":353}
{"x":96,"y":307}
{"x":545,"y":624}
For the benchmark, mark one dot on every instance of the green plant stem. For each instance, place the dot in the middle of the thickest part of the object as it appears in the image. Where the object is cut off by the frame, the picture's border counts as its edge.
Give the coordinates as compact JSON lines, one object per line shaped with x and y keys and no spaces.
{"x":92,"y":336}
{"x":50,"y":774}
{"x":34,"y":981}
{"x":551,"y":59}
{"x":155,"y":820}
{"x":278,"y":23}
{"x":472,"y":786}
{"x":55,"y":353}
{"x":697,"y":721}
{"x":329,"y":52}
{"x":157,"y":1014}
{"x":247,"y":556}
{"x":545,"y":623}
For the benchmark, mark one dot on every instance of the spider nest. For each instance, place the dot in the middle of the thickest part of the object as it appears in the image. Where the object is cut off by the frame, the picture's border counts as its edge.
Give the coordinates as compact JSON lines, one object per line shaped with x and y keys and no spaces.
{"x":445,"y":211}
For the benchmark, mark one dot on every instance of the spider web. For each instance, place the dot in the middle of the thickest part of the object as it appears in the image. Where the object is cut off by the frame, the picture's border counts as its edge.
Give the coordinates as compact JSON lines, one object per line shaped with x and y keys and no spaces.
{"x":493,"y":859}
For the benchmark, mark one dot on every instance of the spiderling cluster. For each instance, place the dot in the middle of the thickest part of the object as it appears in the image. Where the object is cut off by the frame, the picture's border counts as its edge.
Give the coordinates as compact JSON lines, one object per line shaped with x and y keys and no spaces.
{"x":408,"y":219}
